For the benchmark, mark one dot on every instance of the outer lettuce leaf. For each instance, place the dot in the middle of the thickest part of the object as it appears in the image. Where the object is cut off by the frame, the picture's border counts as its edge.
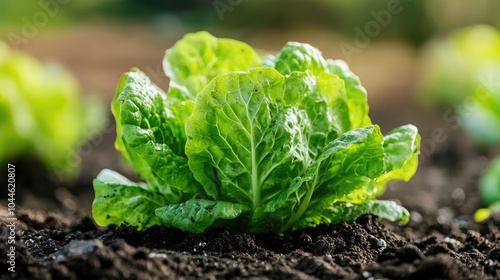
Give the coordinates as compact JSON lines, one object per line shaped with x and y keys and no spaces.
{"x":300,"y":57}
{"x":304,"y":57}
{"x":364,"y":170}
{"x":196,"y":215}
{"x":199,"y":57}
{"x":344,"y":166}
{"x":400,"y":146}
{"x":121,"y":201}
{"x":356,"y":93}
{"x":346,"y":212}
{"x":401,"y":149}
{"x":146,"y":138}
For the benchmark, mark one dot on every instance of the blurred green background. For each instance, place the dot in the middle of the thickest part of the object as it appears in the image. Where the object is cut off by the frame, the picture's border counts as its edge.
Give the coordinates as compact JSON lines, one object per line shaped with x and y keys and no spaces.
{"x":401,"y":50}
{"x":145,"y":28}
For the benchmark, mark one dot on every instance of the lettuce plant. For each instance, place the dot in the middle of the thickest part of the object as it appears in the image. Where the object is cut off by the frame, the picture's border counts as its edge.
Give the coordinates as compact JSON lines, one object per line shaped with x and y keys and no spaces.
{"x":41,"y":112}
{"x":252,"y":144}
{"x":462,"y":75}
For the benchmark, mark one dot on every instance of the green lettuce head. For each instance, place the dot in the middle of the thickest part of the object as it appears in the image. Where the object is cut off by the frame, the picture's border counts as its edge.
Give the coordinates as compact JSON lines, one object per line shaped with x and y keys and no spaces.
{"x":254,"y":146}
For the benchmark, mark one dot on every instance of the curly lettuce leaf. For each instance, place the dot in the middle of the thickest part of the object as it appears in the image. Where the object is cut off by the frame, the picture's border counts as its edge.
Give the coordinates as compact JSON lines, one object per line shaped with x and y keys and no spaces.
{"x":304,"y":57}
{"x":323,"y":98}
{"x":199,"y":57}
{"x":121,"y":201}
{"x":196,"y":215}
{"x":400,"y":160}
{"x":345,"y":164}
{"x":347,"y":212}
{"x":147,"y":136}
{"x":356,"y":93}
{"x":401,"y":149}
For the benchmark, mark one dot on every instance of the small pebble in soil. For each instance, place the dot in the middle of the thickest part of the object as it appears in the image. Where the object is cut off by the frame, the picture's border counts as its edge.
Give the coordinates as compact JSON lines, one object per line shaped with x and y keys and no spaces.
{"x":453,"y":242}
{"x":489,"y":262}
{"x":444,"y":215}
{"x":82,"y":247}
{"x":306,"y":238}
{"x":458,"y":196}
{"x":416,"y":217}
{"x":157,"y":255}
{"x":381,"y":244}
{"x":367,"y":275}
{"x":262,"y":255}
{"x":200,"y":247}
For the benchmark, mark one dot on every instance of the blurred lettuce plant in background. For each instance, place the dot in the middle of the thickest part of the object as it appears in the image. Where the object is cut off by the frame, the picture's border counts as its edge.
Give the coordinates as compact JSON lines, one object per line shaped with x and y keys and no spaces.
{"x":41,"y":112}
{"x":462,"y":75}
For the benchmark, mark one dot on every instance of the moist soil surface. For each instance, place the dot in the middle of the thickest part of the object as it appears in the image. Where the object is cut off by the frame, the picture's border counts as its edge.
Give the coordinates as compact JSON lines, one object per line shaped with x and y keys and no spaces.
{"x":441,"y":241}
{"x":56,"y":246}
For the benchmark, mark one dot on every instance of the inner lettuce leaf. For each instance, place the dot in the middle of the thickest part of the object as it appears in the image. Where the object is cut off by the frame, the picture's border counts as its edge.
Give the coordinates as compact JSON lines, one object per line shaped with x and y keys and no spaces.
{"x":243,"y":139}
{"x":253,"y":144}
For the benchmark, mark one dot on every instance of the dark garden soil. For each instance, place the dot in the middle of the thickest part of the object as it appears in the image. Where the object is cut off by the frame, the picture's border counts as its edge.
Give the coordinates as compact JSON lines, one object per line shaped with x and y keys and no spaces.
{"x":440,"y":242}
{"x":56,"y":246}
{"x":56,"y":237}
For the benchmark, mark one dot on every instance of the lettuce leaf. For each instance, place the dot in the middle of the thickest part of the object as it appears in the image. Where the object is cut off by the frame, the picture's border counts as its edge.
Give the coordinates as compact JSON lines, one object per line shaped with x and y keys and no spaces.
{"x":115,"y":193}
{"x":196,"y":215}
{"x":198,"y":58}
{"x":270,"y":148}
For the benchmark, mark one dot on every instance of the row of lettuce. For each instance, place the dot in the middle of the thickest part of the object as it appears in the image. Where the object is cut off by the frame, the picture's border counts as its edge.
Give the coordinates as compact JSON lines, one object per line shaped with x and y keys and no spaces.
{"x":43,"y":115}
